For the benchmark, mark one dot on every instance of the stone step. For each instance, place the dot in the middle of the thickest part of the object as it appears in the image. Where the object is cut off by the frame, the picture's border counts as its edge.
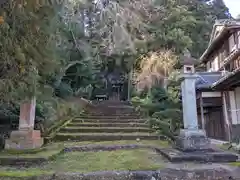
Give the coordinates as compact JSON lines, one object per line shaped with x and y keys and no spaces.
{"x":133,"y":116}
{"x":115,"y":108}
{"x":114,"y":102}
{"x":112,"y":114}
{"x":104,"y":130}
{"x":106,"y":117}
{"x":107,"y":125}
{"x":104,"y":108}
{"x":104,"y":136}
{"x":110,"y":120}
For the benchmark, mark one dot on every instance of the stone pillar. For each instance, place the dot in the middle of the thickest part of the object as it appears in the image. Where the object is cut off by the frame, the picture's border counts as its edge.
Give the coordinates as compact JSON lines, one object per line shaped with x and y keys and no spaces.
{"x":25,"y":137}
{"x":191,"y":138}
{"x":27,"y":114}
{"x":189,"y":102}
{"x":129,"y":86}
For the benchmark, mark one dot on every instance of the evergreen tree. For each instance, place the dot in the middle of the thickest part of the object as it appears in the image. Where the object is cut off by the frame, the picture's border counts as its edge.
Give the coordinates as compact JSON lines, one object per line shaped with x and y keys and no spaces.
{"x":219,"y":7}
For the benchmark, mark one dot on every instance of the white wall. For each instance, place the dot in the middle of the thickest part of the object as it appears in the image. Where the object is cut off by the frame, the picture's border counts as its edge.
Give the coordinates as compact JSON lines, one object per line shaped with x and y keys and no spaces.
{"x":211,"y":94}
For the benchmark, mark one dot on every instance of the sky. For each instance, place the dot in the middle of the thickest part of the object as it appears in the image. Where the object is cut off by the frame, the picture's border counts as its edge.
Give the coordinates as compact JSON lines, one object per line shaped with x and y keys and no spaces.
{"x":234,"y":7}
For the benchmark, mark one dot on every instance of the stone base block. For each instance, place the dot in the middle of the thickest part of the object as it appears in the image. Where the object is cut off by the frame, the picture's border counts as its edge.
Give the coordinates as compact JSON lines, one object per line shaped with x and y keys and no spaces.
{"x":192,"y":140}
{"x":216,"y":156}
{"x":25,"y":134}
{"x":24,"y":139}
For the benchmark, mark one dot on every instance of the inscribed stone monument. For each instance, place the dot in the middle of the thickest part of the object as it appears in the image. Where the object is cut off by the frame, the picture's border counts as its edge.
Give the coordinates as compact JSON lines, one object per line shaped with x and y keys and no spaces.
{"x":25,"y":137}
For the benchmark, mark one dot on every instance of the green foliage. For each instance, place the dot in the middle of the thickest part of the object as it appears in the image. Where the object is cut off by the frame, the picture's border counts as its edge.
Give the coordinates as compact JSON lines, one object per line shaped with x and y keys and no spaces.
{"x":158,"y":94}
{"x":163,"y":108}
{"x":64,"y":90}
{"x":185,"y":24}
{"x":27,"y":54}
{"x":37,"y":48}
{"x":167,"y":122}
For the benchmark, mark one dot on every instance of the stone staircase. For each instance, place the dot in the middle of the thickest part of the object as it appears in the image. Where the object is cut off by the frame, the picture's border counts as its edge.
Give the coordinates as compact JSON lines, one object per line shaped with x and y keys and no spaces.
{"x":107,"y":121}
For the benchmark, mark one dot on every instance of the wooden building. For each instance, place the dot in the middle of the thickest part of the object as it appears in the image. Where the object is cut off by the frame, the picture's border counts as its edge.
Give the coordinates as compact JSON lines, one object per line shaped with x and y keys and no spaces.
{"x":218,"y":89}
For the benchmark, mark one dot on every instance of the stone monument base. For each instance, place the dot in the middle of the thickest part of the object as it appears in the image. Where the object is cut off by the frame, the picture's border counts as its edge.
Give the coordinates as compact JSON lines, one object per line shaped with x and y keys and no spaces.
{"x":192,"y":140}
{"x":212,"y":156}
{"x":24,"y":139}
{"x":193,"y":145}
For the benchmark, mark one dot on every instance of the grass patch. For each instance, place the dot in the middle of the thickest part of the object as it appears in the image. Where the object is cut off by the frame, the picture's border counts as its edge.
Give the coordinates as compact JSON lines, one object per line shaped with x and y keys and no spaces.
{"x":55,"y":148}
{"x":17,"y":152}
{"x":83,"y":162}
{"x":99,"y":161}
{"x":226,"y":146}
{"x":223,"y":146}
{"x":43,"y":154}
{"x":138,"y":159}
{"x":237,"y":164}
{"x":23,"y":173}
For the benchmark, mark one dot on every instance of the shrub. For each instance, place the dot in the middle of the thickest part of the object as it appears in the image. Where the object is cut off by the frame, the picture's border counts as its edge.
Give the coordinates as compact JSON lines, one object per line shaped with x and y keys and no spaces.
{"x":163,"y":110}
{"x":167,"y":122}
{"x":64,"y":90}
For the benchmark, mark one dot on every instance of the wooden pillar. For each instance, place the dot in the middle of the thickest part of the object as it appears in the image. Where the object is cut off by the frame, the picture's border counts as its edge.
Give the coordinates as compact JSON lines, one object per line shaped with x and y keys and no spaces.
{"x":226,"y":117}
{"x":202,"y":112}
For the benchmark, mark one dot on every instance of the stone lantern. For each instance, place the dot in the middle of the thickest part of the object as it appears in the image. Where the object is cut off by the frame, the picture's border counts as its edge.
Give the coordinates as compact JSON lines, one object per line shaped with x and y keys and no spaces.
{"x":188,"y":63}
{"x":192,"y":143}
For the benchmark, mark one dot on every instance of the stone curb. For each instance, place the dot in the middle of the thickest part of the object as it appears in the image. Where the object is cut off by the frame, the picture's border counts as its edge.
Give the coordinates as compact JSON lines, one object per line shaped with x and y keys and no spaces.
{"x":165,"y":174}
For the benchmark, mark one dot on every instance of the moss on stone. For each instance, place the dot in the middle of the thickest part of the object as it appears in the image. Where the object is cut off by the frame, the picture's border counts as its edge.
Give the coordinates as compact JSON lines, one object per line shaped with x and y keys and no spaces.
{"x":105,"y":136}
